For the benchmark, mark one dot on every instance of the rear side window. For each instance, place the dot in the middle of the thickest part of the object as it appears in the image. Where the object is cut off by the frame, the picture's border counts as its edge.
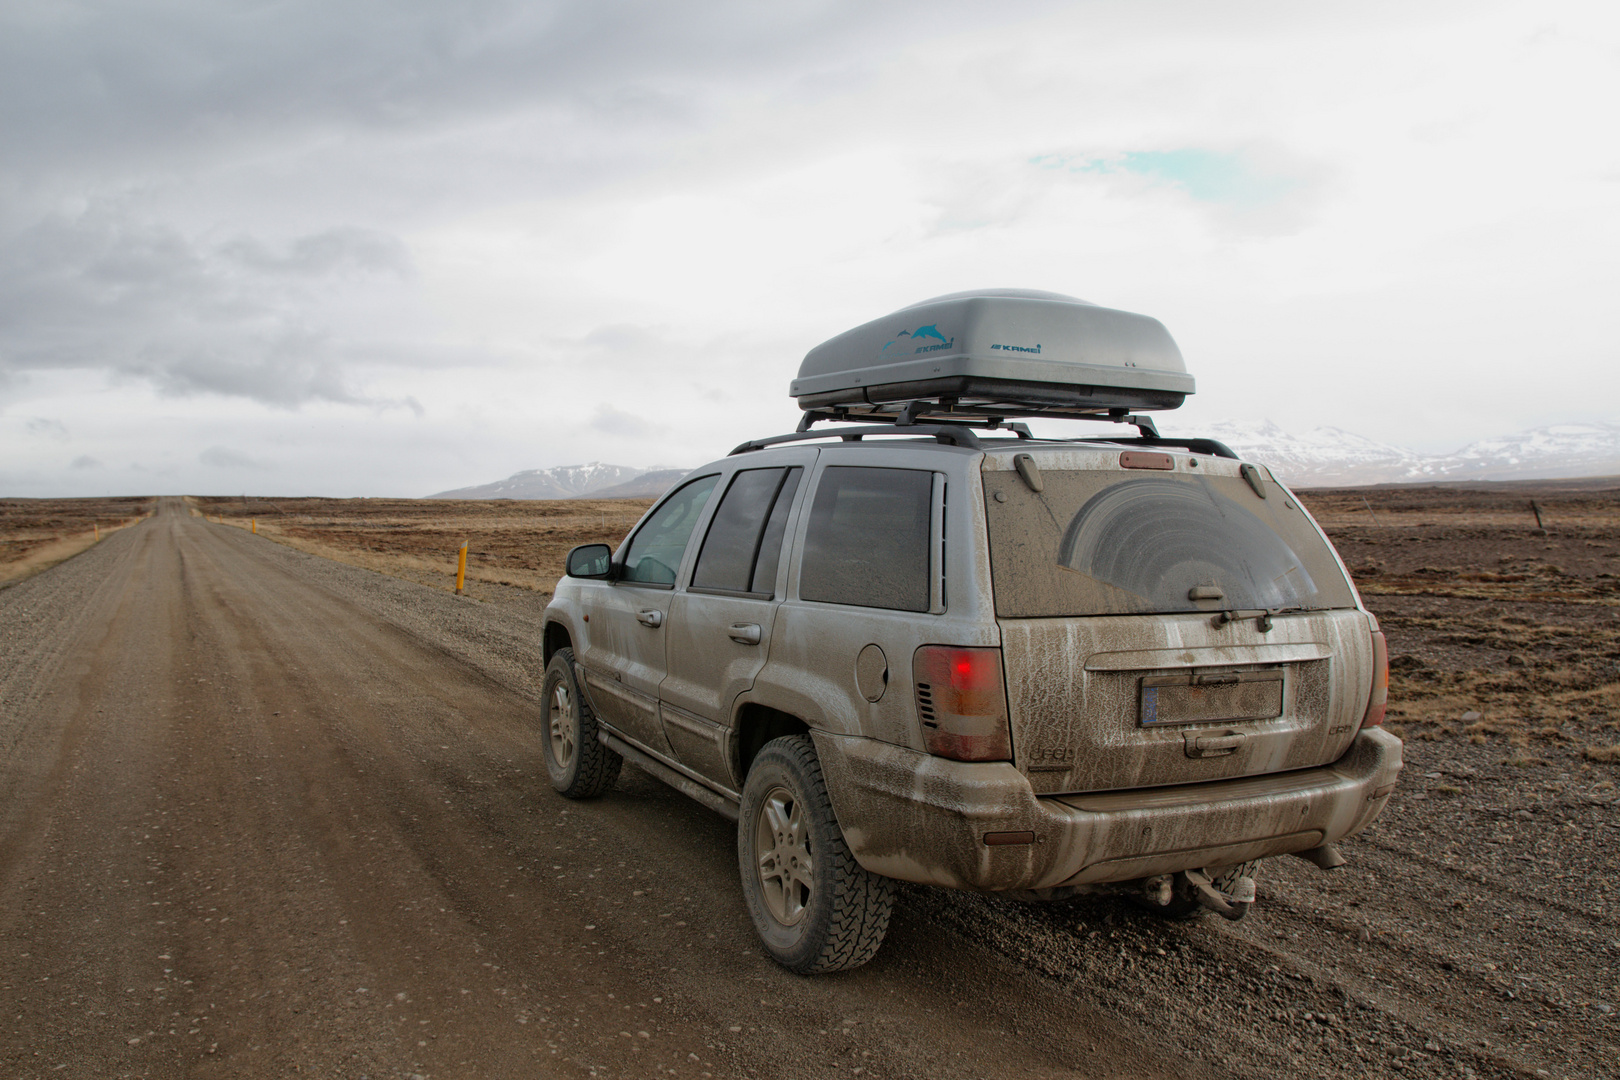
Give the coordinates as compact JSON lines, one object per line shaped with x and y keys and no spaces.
{"x":744,"y":543}
{"x":867,"y":541}
{"x":1101,"y":542}
{"x":655,"y":554}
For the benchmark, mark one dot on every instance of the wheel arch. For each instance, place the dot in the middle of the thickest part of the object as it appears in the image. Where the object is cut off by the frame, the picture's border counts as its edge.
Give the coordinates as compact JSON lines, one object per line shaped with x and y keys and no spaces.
{"x":757,"y":725}
{"x":556,"y":637}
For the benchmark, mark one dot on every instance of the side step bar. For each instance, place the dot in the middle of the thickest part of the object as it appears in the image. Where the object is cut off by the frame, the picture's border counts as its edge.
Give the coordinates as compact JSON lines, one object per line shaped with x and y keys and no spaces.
{"x":709,"y":797}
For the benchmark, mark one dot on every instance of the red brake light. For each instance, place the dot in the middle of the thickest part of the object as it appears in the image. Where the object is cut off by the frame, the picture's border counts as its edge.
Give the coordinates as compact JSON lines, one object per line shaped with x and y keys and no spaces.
{"x":962,"y":702}
{"x":1379,"y":702}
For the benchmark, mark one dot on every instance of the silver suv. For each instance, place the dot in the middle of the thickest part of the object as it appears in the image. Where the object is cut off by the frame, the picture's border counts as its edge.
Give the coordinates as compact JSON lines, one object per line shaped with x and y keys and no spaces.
{"x":924,"y":647}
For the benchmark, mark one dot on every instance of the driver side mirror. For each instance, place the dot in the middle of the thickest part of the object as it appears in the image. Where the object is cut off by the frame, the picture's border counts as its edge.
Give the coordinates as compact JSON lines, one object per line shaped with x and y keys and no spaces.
{"x":590,"y":561}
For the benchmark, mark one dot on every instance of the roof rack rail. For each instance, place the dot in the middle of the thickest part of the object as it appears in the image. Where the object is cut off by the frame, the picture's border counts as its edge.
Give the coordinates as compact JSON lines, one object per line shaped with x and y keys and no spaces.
{"x":992,"y":416}
{"x":1212,"y":447}
{"x":953,"y":434}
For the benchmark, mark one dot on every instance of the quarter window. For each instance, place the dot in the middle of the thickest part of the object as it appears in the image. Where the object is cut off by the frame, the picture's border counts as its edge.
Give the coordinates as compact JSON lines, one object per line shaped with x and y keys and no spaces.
{"x":867,"y":541}
{"x":655,"y":553}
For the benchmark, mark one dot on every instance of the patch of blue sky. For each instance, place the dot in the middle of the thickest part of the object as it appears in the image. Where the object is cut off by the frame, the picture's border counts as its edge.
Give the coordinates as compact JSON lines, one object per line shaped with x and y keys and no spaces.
{"x":1205,"y":175}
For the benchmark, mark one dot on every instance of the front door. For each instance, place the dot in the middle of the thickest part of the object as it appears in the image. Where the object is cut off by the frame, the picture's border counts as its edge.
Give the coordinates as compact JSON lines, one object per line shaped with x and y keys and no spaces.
{"x":720,"y":629}
{"x":628,"y":620}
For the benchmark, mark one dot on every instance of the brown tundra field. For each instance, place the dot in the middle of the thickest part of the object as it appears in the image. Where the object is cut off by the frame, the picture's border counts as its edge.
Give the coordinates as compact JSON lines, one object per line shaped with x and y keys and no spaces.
{"x":342,"y":769}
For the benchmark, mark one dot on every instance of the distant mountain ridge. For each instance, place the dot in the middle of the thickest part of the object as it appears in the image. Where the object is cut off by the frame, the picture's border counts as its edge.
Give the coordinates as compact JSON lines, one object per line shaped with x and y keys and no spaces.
{"x":592,"y":481}
{"x":1333,"y":457}
{"x":1321,"y":457}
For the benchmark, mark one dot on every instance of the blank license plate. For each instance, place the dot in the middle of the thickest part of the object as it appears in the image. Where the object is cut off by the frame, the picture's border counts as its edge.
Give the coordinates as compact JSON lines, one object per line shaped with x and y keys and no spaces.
{"x":1189,"y":699}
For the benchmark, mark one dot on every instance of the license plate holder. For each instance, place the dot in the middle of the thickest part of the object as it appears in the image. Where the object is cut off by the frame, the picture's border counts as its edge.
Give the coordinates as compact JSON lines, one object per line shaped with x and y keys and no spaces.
{"x":1205,"y":697}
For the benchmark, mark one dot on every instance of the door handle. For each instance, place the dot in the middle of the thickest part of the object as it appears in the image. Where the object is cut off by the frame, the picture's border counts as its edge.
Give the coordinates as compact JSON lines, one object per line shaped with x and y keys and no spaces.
{"x":744,"y":633}
{"x":653,"y":618}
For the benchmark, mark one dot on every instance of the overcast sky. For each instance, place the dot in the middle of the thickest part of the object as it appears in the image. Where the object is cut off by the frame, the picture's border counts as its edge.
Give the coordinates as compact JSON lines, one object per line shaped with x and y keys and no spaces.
{"x":391,"y":248}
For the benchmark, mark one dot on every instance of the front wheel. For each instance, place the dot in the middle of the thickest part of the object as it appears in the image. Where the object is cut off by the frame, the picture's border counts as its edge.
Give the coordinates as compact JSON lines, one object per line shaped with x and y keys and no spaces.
{"x":579,"y":765}
{"x":816,"y":908}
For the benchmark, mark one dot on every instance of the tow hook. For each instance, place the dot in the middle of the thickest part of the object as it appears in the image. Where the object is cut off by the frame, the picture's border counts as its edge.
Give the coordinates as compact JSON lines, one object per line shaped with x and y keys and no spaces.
{"x":1228,"y":905}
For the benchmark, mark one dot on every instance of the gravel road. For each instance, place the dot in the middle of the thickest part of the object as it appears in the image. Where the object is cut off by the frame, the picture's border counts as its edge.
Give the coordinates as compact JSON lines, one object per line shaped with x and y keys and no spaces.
{"x":264,"y":814}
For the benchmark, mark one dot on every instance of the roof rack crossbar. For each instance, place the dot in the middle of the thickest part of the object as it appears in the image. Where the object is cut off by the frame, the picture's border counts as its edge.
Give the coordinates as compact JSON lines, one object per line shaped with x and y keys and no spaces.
{"x":953,"y":434}
{"x":990,"y":416}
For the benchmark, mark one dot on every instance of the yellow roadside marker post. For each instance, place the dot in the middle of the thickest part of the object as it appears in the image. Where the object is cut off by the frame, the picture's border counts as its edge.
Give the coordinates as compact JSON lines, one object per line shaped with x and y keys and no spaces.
{"x":461,"y":567}
{"x":255,"y":522}
{"x":96,"y":525}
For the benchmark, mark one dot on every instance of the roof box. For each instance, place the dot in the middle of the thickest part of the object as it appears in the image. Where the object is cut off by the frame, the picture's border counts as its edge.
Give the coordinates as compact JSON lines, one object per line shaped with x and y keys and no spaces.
{"x":1011,"y":351}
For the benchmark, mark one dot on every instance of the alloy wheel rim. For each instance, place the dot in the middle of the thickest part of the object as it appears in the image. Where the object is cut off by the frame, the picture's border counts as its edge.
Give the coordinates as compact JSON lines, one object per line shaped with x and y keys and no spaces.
{"x":782,"y":843}
{"x":562,"y":726}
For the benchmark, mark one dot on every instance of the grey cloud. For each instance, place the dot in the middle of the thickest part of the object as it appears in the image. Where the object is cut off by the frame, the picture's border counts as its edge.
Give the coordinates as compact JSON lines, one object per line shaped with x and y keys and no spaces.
{"x":85,"y":461}
{"x":48,"y":429}
{"x":285,"y":371}
{"x":141,"y":300}
{"x":220,"y":458}
{"x":150,"y":82}
{"x":333,"y":251}
{"x":612,"y":421}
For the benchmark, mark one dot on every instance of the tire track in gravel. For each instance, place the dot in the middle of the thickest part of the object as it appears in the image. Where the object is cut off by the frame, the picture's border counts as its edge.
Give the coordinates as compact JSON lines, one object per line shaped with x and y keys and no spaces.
{"x":1498,"y":884}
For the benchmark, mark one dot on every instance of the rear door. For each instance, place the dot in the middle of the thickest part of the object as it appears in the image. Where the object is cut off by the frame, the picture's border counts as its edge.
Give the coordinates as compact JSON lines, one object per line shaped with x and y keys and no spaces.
{"x":626,"y":657}
{"x":1168,"y":619}
{"x":721,"y":622}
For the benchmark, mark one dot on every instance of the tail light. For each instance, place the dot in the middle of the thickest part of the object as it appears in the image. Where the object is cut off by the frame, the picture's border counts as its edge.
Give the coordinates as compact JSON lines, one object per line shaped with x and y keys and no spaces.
{"x":962,"y":702}
{"x":1380,"y":687}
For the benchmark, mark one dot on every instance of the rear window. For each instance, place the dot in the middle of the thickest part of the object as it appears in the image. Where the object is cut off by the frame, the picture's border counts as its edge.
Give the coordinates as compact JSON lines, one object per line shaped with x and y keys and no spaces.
{"x":1102,"y":542}
{"x":867,"y":541}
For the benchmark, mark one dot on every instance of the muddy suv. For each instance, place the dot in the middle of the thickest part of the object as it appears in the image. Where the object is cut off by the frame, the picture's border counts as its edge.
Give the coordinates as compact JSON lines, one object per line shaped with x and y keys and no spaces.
{"x":929,"y":647}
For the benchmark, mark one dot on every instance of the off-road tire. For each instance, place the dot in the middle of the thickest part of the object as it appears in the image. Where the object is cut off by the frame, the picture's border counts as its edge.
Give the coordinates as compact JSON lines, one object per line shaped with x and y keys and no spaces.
{"x":844,"y":910}
{"x":1184,"y":905}
{"x":579,"y":765}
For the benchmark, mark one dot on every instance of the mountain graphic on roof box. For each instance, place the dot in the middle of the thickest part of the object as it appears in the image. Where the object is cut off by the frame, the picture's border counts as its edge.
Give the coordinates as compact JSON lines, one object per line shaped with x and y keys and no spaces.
{"x":592,"y":481}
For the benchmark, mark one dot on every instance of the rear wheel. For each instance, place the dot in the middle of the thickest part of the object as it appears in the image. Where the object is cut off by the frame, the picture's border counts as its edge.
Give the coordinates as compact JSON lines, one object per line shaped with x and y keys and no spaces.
{"x":815,"y":907}
{"x":579,"y":765}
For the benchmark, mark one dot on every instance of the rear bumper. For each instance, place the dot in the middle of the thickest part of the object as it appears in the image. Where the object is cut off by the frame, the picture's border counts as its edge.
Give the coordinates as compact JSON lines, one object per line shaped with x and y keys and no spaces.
{"x":915,"y":817}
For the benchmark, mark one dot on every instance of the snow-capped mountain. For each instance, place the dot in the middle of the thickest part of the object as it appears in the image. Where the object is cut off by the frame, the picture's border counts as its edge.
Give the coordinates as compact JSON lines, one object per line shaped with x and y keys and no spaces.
{"x":1557,"y":451}
{"x":1332,"y":457}
{"x":1322,"y":457}
{"x":562,"y":482}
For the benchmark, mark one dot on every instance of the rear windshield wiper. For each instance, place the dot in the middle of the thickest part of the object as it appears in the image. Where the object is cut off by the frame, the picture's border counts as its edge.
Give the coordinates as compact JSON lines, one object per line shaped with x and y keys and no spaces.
{"x":1261,"y":616}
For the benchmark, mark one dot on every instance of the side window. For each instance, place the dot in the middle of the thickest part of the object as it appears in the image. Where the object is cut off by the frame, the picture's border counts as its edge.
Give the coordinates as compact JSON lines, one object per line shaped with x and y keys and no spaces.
{"x":655,"y":553}
{"x":867,"y":540}
{"x":744,"y":543}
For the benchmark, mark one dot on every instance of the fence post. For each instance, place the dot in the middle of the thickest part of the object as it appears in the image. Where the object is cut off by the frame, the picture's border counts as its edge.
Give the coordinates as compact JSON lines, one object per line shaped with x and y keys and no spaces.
{"x":461,"y":567}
